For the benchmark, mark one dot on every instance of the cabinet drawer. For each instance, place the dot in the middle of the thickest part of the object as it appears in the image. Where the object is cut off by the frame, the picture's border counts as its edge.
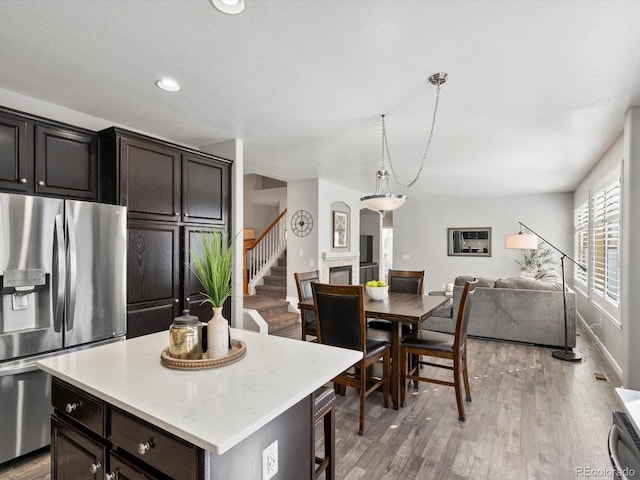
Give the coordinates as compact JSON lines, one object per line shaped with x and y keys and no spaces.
{"x":78,"y":405}
{"x":157,"y":448}
{"x":121,"y":469}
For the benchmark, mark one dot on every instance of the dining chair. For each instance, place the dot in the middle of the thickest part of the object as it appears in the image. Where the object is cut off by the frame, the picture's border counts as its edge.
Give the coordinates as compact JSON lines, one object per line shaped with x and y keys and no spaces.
{"x":441,"y":345}
{"x":401,"y":281}
{"x":303,"y":284}
{"x":340,"y":322}
{"x":324,"y":410}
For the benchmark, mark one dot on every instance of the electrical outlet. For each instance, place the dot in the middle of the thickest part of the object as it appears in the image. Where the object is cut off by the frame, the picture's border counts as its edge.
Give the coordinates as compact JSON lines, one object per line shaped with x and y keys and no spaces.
{"x":406,"y":256}
{"x":311,"y":262}
{"x":270,"y":461}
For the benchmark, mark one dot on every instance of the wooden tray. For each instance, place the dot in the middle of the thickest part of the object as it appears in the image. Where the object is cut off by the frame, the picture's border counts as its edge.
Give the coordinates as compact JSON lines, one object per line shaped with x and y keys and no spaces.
{"x":237,"y":351}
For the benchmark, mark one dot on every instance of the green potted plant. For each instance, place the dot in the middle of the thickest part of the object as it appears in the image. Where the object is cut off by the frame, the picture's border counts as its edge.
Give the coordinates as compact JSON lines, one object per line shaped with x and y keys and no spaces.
{"x":538,"y":260}
{"x":212,"y":264}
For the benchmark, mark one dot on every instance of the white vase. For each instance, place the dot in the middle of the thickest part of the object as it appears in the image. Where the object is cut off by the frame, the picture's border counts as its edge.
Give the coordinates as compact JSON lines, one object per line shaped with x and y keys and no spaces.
{"x":217,"y":335}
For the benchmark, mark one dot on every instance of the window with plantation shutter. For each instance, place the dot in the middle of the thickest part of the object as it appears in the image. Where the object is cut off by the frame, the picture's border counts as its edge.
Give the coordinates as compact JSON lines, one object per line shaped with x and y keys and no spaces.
{"x":581,"y":241}
{"x":605,"y":241}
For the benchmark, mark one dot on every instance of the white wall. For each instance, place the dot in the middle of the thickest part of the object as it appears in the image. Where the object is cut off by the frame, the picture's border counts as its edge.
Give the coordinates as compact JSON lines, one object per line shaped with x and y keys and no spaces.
{"x":420,"y":231}
{"x":234,"y":150}
{"x":261,"y":207}
{"x":607,"y":333}
{"x":317,"y":196}
{"x":630,"y":259}
{"x":328,"y":194}
{"x":302,"y":252}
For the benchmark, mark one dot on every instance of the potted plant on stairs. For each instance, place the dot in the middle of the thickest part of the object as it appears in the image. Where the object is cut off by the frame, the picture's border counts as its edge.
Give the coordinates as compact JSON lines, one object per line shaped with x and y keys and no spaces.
{"x":212,"y":264}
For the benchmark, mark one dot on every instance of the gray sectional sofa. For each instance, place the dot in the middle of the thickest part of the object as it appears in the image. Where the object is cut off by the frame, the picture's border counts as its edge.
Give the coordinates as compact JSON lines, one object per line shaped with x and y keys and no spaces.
{"x":516,"y":309}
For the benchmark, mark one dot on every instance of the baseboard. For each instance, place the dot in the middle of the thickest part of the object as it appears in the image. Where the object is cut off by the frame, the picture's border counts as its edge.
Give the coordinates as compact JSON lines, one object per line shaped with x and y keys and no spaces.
{"x":604,"y":351}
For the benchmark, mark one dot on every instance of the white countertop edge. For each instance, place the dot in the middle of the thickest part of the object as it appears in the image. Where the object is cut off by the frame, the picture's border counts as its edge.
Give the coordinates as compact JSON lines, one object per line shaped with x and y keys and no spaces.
{"x":185,"y":435}
{"x":631,"y":401}
{"x":222,"y":446}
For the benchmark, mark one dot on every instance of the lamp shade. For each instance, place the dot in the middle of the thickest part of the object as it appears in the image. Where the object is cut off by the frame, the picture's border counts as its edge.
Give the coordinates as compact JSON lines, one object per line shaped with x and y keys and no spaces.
{"x":521,"y":240}
{"x":383,"y":202}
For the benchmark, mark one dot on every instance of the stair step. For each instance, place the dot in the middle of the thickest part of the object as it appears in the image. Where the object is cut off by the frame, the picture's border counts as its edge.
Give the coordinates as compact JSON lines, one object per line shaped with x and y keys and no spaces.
{"x":274,"y":311}
{"x":282,"y":261}
{"x":279,"y":271}
{"x":282,"y":320}
{"x":276,"y":281}
{"x":271,"y":291}
{"x":265,"y":305}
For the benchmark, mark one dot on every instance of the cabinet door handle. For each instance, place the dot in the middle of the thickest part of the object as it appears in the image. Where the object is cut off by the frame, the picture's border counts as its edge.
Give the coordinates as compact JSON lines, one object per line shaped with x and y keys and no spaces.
{"x":70,"y":407}
{"x":111,"y":475}
{"x":186,"y":214}
{"x":95,"y":467}
{"x":41,"y":183}
{"x":188,"y":299}
{"x":176,"y":300}
{"x":145,"y":447}
{"x":23,"y":180}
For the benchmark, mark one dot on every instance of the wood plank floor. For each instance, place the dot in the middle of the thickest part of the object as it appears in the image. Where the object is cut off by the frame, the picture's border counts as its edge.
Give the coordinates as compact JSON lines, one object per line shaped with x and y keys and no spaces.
{"x":532,"y":417}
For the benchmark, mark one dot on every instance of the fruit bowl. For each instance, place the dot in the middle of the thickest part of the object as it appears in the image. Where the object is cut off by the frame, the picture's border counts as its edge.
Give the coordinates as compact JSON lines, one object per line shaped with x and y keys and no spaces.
{"x":377,"y":293}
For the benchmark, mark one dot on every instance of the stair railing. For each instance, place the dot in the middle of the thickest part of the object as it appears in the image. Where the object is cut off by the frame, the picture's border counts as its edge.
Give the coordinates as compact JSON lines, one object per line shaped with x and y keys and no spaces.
{"x":264,"y":253}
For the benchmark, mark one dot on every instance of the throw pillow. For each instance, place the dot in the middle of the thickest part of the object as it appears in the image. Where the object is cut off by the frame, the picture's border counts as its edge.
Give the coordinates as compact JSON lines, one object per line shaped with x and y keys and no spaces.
{"x":482,"y":281}
{"x":525,"y":284}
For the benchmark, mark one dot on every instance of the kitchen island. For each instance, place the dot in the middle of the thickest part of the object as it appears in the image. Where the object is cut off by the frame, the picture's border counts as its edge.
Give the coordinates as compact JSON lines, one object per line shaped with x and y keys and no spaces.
{"x":200,"y":424}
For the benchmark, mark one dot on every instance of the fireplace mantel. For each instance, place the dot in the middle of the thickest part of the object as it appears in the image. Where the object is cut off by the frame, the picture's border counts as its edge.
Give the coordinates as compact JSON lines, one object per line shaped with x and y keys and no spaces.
{"x":338,"y":255}
{"x":338,"y":259}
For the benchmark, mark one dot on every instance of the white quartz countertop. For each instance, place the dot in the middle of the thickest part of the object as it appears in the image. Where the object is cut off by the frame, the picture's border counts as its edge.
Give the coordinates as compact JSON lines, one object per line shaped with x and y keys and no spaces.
{"x":215,"y":408}
{"x":631,"y":402}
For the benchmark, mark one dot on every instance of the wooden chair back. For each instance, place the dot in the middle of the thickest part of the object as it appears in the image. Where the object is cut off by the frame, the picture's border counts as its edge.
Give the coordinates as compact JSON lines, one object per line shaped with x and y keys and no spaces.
{"x":340,"y":320}
{"x":406,"y":281}
{"x":462,"y":322}
{"x":303,"y":284}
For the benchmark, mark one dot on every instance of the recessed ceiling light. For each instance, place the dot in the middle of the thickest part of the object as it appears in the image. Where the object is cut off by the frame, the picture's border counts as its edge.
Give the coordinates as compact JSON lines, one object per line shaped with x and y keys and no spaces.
{"x":231,"y":7}
{"x":168,"y":85}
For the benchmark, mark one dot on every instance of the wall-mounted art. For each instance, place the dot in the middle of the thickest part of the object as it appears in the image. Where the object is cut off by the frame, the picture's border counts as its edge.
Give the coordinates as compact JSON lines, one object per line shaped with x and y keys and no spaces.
{"x":340,"y":229}
{"x":469,"y":242}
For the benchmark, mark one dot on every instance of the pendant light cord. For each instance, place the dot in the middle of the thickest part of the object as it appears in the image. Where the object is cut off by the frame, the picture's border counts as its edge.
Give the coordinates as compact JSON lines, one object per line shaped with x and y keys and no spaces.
{"x":385,"y":145}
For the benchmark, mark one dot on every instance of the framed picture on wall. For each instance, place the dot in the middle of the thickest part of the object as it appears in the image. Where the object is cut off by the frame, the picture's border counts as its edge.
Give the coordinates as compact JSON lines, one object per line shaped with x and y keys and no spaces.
{"x":469,"y":242}
{"x":340,"y":229}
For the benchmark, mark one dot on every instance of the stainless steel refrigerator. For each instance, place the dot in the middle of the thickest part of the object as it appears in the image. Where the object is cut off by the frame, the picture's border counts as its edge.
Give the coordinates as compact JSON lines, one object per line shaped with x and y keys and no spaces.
{"x":62,"y":286}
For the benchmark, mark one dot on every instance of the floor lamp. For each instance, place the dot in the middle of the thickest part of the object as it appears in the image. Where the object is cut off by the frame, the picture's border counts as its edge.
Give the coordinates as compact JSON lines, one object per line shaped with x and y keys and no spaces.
{"x":530,"y":241}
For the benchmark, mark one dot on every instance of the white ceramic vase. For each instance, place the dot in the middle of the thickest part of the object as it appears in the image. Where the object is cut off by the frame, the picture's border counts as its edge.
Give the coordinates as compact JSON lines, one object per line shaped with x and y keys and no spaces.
{"x":217,"y":335}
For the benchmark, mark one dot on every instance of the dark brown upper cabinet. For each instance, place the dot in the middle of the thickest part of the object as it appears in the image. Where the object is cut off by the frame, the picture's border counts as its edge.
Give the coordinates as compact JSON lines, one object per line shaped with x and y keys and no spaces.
{"x":14,"y":157}
{"x":150,"y":185}
{"x":40,"y":156}
{"x":205,"y":190}
{"x":66,"y":163}
{"x":158,"y":180}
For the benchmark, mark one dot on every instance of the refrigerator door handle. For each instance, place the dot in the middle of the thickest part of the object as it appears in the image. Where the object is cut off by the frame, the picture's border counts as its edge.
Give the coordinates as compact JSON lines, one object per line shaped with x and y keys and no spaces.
{"x":59,"y":282}
{"x":73,"y":271}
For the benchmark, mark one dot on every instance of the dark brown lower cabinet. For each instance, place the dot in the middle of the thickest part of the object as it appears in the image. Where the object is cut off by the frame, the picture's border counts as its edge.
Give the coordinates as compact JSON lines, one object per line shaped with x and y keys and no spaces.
{"x":76,"y":455}
{"x":153,"y":276}
{"x":132,"y":448}
{"x":120,"y":469}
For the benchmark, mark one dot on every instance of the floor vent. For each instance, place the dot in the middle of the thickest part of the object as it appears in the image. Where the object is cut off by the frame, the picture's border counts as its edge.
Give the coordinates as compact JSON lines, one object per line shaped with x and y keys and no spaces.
{"x":600,"y":376}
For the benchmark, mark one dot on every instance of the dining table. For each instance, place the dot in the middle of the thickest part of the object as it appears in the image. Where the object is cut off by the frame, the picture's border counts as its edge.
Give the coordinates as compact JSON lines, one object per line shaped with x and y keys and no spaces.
{"x":398,"y":308}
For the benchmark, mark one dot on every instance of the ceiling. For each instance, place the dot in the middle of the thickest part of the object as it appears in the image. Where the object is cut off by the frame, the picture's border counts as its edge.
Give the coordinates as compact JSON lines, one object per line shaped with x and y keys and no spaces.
{"x":537,"y":90}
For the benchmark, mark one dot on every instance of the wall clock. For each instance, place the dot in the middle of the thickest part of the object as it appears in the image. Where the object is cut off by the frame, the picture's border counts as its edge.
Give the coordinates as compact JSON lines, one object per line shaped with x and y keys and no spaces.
{"x":302,"y":223}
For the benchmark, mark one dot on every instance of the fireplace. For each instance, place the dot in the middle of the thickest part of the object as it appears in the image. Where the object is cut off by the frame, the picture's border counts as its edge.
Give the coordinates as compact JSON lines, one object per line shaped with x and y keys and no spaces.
{"x":340,"y":275}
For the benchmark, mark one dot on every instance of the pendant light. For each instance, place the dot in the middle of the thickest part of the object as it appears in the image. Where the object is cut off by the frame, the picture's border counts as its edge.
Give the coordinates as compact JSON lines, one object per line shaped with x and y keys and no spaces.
{"x":383,"y":200}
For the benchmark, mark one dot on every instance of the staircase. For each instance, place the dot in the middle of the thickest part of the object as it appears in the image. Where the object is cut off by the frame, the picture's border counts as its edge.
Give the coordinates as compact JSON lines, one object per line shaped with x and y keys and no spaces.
{"x":270,"y":301}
